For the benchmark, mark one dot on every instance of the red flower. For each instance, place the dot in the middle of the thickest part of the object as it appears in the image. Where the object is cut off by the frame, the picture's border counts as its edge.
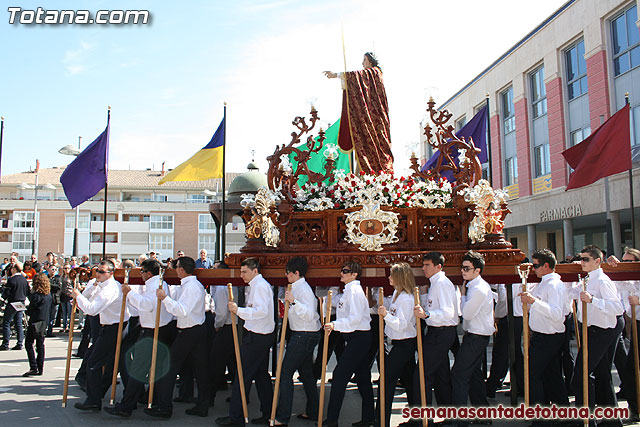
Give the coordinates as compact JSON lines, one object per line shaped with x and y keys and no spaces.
{"x":336,"y":205}
{"x":362,"y":173}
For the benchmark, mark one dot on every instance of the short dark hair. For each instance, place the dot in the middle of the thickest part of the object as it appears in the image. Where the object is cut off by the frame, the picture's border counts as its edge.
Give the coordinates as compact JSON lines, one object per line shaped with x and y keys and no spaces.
{"x":545,"y":256}
{"x":151,"y":265}
{"x":298,"y":264}
{"x":354,"y":266}
{"x":372,"y":58}
{"x":435,"y":257}
{"x":474,"y":258}
{"x":49,"y":253}
{"x":187,"y":263}
{"x":251,"y":263}
{"x":593,"y":251}
{"x":110,"y":265}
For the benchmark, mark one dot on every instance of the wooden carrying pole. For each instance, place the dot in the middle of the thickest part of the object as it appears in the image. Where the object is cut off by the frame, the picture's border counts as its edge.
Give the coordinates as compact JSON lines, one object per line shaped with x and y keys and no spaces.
{"x":116,"y":360}
{"x":236,"y":346}
{"x":525,"y":330}
{"x":423,"y":393}
{"x":381,"y":352}
{"x":575,"y":324}
{"x":636,"y":358}
{"x":154,"y":350}
{"x":65,"y":389}
{"x":585,"y":353}
{"x":283,"y":333}
{"x":325,"y":350}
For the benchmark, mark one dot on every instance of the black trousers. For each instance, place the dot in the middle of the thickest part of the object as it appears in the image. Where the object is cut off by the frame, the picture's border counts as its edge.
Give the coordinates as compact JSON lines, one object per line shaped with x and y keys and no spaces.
{"x":466,"y":376}
{"x":402,"y":353}
{"x":435,"y":353}
{"x":599,"y":341}
{"x":189,"y":347}
{"x":352,"y":361}
{"x":565,"y":354}
{"x":603,"y":382}
{"x":140,"y":364}
{"x":519,"y":374}
{"x":336,"y":345}
{"x":499,"y":357}
{"x":102,"y":355}
{"x":130,"y":336}
{"x":254,"y":354}
{"x":87,"y":336}
{"x":546,"y":382}
{"x":630,"y":377}
{"x":222,"y":355}
{"x":35,"y":332}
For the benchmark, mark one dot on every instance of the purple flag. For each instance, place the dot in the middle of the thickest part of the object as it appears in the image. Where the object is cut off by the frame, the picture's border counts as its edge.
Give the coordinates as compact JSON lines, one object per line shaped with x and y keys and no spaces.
{"x":475,"y":129}
{"x":87,"y":174}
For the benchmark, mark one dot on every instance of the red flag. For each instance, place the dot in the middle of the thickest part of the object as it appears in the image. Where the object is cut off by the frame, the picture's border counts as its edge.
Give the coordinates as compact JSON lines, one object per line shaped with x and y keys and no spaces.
{"x":605,"y":152}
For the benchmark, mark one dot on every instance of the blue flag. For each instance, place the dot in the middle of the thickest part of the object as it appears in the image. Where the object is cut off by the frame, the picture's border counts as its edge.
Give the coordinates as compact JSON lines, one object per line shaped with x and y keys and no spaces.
{"x":87,"y":174}
{"x":475,"y":129}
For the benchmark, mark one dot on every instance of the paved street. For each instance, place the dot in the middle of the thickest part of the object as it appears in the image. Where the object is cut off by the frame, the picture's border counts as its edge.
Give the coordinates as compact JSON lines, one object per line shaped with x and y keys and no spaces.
{"x":37,"y":400}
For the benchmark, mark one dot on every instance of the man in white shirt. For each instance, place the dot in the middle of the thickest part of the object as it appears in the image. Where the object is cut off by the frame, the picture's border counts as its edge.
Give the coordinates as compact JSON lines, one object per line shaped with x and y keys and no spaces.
{"x":103,"y":298}
{"x":336,"y":342}
{"x":354,"y":323}
{"x":146,"y":302}
{"x":500,"y":349}
{"x":440,"y":308}
{"x":604,"y":322}
{"x":259,"y":325}
{"x":190,"y":342}
{"x":477,"y":321}
{"x":304,"y":322}
{"x":546,"y":320}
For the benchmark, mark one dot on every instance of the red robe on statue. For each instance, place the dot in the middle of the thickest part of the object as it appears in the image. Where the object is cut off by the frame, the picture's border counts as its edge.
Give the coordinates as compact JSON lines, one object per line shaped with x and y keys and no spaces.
{"x":364,"y":123}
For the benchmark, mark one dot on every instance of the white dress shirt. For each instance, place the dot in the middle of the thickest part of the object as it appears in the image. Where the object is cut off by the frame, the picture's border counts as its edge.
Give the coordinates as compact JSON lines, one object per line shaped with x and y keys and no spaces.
{"x":221,"y":298}
{"x":146,"y":302}
{"x":258,"y":314}
{"x":400,"y":322}
{"x":303,"y":315}
{"x":477,"y":308}
{"x":606,"y":305}
{"x":441,"y":302}
{"x":500,"y":310}
{"x":133,"y":311}
{"x":188,"y":308}
{"x":352,"y":313}
{"x":105,"y":299}
{"x":546,"y":314}
{"x":627,"y":288}
{"x":323,"y":291}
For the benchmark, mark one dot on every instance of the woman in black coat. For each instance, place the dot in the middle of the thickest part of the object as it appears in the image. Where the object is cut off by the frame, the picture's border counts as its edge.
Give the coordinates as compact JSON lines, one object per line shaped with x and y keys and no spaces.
{"x":38,"y":312}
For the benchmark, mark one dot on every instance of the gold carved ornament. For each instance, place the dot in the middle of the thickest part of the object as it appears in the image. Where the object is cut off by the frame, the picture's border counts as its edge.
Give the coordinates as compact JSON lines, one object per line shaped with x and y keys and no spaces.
{"x":371,"y":227}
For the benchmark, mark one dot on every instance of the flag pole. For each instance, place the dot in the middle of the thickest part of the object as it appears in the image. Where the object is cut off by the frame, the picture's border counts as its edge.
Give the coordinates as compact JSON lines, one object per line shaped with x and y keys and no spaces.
{"x":489,"y":142}
{"x":223,"y":224}
{"x":633,"y":214}
{"x":1,"y":137}
{"x":106,"y":182}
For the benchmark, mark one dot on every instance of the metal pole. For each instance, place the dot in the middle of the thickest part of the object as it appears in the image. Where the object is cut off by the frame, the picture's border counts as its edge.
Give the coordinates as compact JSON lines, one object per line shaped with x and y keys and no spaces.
{"x":104,"y":224}
{"x":75,"y":230}
{"x":633,"y":213}
{"x":35,"y":218}
{"x":1,"y":137}
{"x":223,"y":221}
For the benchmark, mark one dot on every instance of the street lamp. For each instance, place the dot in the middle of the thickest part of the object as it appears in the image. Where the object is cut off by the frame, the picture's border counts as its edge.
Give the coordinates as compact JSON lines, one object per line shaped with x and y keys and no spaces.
{"x":70,"y":150}
{"x":25,"y":186}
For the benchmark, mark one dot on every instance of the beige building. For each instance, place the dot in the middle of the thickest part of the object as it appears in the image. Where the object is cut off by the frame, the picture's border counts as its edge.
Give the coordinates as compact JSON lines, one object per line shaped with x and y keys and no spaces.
{"x":546,"y":94}
{"x":141,"y":216}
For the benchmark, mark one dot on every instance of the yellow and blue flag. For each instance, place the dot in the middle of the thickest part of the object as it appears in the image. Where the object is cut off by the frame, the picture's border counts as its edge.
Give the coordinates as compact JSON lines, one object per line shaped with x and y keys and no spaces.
{"x":205,"y":164}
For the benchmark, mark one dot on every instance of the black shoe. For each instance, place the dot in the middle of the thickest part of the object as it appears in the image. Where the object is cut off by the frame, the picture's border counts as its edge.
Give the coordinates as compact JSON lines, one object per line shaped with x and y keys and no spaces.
{"x":76,"y":356}
{"x":363,"y":423}
{"x":198,"y":411}
{"x":227,"y":421}
{"x":483,"y":422}
{"x":328,"y":423}
{"x":306,"y":417}
{"x":50,"y":335}
{"x":17,"y":347}
{"x":263,"y":420}
{"x":158,"y":413}
{"x":31,"y":372}
{"x":115,"y":410}
{"x":411,"y":422}
{"x":87,"y":407}
{"x":3,"y":348}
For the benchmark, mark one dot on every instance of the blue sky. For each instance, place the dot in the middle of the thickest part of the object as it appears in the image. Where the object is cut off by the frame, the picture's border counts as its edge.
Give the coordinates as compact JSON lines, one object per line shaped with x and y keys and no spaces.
{"x":167,"y":81}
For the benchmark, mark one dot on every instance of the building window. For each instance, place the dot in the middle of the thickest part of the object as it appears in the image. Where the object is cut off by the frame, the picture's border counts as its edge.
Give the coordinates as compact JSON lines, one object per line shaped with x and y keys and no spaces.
{"x":161,"y":243}
{"x":538,"y":93}
{"x":199,"y":198}
{"x":22,"y":240}
{"x":626,"y":41}
{"x":205,"y":222}
{"x":511,"y":170}
{"x":23,"y":220}
{"x":461,"y":122}
{"x":635,"y":126}
{"x":98,"y":217}
{"x":135,"y":218}
{"x":508,"y":112}
{"x":160,"y":197}
{"x":542,"y":161}
{"x":577,"y":136}
{"x":161,"y":222}
{"x":576,"y":70}
{"x":109,"y":237}
{"x":208,"y":242}
{"x":70,"y":222}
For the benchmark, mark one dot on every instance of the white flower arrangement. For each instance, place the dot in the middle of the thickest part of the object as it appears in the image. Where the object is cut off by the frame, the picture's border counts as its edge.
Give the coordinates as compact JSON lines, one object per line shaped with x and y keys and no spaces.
{"x":351,"y":190}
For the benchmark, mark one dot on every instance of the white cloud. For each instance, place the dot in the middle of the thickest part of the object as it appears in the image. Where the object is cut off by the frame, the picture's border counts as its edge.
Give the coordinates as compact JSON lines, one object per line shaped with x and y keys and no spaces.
{"x":74,"y":60}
